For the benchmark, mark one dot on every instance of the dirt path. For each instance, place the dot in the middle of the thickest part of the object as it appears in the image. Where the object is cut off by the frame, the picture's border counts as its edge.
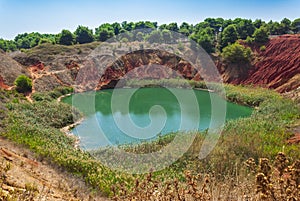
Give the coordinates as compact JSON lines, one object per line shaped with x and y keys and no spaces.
{"x":23,"y":177}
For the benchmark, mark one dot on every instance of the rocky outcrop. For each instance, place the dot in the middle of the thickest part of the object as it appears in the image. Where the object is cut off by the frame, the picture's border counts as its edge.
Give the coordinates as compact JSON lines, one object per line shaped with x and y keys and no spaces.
{"x":278,"y":67}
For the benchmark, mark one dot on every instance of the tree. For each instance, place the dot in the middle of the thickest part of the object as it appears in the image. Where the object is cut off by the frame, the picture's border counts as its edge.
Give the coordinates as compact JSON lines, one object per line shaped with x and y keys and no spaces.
{"x":83,"y":35}
{"x":275,"y":28}
{"x":66,"y":37}
{"x":229,"y":35}
{"x":237,"y":60}
{"x":173,"y":27}
{"x":285,"y":26}
{"x":258,"y":23}
{"x":23,"y":43}
{"x":245,"y":28}
{"x":206,"y":42}
{"x":236,"y":54}
{"x":215,"y":23}
{"x":104,"y":32}
{"x":145,"y":25}
{"x":117,"y":27}
{"x":261,"y":35}
{"x":185,"y":29}
{"x":200,"y":26}
{"x":23,"y":84}
{"x":162,"y":27}
{"x":7,"y":45}
{"x":127,"y":26}
{"x":296,"y":25}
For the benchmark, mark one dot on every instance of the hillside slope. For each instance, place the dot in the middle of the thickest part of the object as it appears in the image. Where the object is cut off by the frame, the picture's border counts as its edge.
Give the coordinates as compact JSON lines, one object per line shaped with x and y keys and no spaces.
{"x":9,"y":70}
{"x":26,"y":178}
{"x":278,"y":67}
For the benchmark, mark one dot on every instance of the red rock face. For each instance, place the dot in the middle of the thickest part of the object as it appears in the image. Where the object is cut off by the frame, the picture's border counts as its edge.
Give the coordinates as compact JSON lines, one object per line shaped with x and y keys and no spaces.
{"x":279,"y":63}
{"x":155,"y":65}
{"x":38,"y":67}
{"x":2,"y":84}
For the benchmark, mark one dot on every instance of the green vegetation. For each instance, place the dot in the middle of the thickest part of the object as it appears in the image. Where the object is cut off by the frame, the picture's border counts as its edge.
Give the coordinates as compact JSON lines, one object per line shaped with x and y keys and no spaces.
{"x":66,"y":38}
{"x":213,"y":33}
{"x":84,"y":35}
{"x":263,"y":134}
{"x":261,"y":35}
{"x":237,"y":54}
{"x":229,"y":35}
{"x":23,"y":84}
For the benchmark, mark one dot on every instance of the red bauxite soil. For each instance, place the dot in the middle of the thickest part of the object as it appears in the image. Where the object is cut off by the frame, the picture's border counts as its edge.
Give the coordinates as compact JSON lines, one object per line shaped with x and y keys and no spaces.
{"x":2,"y":84}
{"x":278,"y":66}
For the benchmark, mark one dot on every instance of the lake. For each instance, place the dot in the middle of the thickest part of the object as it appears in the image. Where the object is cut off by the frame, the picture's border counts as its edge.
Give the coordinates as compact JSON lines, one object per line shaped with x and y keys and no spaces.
{"x":111,"y":118}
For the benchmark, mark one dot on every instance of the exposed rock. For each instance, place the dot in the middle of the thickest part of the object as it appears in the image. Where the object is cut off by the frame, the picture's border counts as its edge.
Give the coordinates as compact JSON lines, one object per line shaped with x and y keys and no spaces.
{"x":278,"y":67}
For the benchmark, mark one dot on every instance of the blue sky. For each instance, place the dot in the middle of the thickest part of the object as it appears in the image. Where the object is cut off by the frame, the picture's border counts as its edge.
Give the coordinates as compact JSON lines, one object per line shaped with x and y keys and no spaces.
{"x":54,"y":15}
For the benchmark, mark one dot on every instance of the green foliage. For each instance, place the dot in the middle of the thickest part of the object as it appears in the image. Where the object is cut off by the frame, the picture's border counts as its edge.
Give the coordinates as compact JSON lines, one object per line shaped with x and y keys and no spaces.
{"x":84,"y":35}
{"x":285,"y":26}
{"x":7,"y":45}
{"x":49,"y":96}
{"x":117,"y":28}
{"x":172,"y":27}
{"x":236,"y":54}
{"x":104,"y":34}
{"x":258,"y":23}
{"x":26,"y":41}
{"x":185,"y":29}
{"x":249,"y":40}
{"x":127,"y":26}
{"x":36,"y":126}
{"x":66,"y":38}
{"x":245,"y":28}
{"x":215,"y":23}
{"x":229,"y":35}
{"x":296,"y":25}
{"x":262,"y":48}
{"x":23,"y":84}
{"x":213,"y":33}
{"x":145,"y":25}
{"x":261,"y":35}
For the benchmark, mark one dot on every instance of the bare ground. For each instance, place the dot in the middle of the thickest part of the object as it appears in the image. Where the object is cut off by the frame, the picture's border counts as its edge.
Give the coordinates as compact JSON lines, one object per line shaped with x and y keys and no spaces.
{"x":24,"y":177}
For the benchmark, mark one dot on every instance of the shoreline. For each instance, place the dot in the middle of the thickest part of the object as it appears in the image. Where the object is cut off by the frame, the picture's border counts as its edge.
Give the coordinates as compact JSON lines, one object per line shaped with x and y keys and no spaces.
{"x":68,"y":133}
{"x":66,"y":129}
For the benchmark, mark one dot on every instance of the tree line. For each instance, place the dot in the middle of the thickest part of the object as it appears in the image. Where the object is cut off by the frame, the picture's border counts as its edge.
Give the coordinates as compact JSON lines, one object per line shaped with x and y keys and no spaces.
{"x":213,"y":34}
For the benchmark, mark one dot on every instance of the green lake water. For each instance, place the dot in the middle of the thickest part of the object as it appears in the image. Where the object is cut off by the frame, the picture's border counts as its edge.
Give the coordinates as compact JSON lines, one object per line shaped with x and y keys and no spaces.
{"x":111,"y":118}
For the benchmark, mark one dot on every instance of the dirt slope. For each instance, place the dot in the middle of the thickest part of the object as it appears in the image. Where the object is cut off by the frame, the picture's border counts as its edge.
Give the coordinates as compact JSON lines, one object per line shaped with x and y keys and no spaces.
{"x":26,"y":178}
{"x":9,"y":70}
{"x":278,"y":67}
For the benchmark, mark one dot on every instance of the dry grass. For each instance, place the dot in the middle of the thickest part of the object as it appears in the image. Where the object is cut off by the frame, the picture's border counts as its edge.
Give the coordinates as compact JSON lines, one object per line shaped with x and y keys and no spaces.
{"x":255,"y":182}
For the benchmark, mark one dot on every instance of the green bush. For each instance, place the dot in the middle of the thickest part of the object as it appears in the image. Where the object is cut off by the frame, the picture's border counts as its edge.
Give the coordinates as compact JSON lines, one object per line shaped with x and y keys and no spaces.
{"x":237,"y":54}
{"x":262,"y":48}
{"x":23,"y":84}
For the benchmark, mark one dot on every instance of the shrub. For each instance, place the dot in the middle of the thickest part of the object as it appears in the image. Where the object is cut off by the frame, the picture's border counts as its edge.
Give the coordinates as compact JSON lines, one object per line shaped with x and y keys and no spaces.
{"x":23,"y":84}
{"x":262,"y":48}
{"x":236,"y":54}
